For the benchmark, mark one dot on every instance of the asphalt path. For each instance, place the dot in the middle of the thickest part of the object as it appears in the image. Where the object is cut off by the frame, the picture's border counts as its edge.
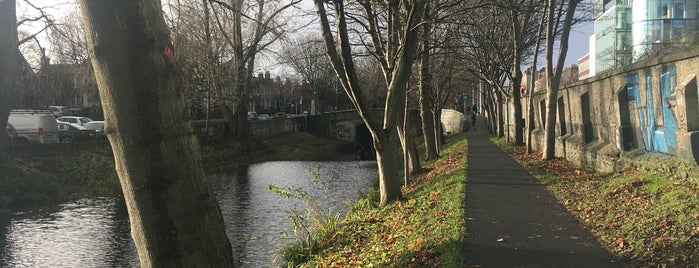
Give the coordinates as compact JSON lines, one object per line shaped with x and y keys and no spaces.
{"x":512,"y":220}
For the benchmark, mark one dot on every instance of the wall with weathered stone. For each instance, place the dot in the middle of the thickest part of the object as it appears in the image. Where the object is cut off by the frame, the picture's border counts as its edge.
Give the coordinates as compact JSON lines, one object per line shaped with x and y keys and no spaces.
{"x":601,"y":118}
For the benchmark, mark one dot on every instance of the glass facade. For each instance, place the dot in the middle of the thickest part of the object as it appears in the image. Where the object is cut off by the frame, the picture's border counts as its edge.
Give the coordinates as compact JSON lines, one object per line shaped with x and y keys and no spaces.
{"x":662,"y":22}
{"x":612,"y":34}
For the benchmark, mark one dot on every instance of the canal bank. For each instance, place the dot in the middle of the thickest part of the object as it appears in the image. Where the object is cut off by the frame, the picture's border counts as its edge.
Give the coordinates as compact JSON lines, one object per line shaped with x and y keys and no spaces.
{"x":33,"y":180}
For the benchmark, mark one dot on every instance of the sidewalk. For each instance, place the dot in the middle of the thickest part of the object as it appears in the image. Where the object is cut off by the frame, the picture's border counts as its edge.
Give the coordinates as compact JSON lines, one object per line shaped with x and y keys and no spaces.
{"x":513,"y":221}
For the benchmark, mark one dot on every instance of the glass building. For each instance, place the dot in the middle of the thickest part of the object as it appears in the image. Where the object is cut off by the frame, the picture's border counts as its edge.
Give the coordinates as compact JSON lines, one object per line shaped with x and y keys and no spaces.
{"x":613,"y":35}
{"x":662,"y":22}
{"x":628,"y":30}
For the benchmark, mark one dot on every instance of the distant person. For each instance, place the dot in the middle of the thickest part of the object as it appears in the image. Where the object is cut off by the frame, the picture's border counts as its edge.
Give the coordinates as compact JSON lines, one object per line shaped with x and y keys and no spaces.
{"x":474,"y":109}
{"x":473,"y":120}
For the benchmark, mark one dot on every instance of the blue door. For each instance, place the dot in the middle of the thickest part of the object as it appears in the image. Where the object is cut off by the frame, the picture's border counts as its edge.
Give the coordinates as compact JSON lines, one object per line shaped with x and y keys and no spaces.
{"x":668,"y":84}
{"x":632,"y":91}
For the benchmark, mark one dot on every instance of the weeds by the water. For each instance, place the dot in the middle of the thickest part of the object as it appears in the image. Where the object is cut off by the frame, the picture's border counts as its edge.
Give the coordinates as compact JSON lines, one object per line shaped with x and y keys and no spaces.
{"x":423,"y":230}
{"x":310,"y":225}
{"x":649,"y":217}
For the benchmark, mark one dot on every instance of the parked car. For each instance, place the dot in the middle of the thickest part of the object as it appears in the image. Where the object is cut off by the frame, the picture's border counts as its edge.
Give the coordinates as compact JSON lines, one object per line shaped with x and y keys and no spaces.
{"x":69,"y":132}
{"x":264,"y":117}
{"x":34,"y":126}
{"x":78,"y":120}
{"x":280,"y":115}
{"x":59,"y":111}
{"x":252,"y":116}
{"x":98,"y":127}
{"x":10,"y":134}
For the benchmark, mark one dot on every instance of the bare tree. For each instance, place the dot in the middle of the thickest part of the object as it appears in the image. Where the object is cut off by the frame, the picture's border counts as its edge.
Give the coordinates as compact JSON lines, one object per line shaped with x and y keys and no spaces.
{"x":522,"y":16}
{"x":392,"y":31}
{"x":306,"y":56}
{"x":559,"y":14}
{"x":245,"y":45}
{"x":67,"y":40}
{"x":425,"y":101}
{"x":175,"y":220}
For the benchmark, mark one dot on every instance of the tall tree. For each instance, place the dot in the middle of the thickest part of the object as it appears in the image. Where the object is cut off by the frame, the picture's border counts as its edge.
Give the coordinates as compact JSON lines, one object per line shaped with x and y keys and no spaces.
{"x":175,"y":220}
{"x":559,"y":14}
{"x":306,"y":56}
{"x":68,"y":45}
{"x":267,"y":26}
{"x":427,"y":116}
{"x":391,"y":29}
{"x":9,"y":65}
{"x":522,"y":16}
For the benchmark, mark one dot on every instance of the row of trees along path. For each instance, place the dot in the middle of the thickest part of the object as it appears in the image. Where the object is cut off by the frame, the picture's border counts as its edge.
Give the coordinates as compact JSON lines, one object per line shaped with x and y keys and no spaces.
{"x":174,"y":218}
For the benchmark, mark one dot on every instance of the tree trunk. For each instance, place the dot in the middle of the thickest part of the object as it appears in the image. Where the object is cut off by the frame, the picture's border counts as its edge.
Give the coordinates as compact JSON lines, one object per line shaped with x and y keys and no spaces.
{"x":553,"y":74}
{"x":175,"y":220}
{"x":517,"y":80}
{"x":425,"y":97}
{"x":410,"y":156}
{"x":500,"y":114}
{"x":388,"y":158}
{"x":438,"y":131}
{"x":9,"y":66}
{"x":532,"y":86}
{"x":517,"y":106}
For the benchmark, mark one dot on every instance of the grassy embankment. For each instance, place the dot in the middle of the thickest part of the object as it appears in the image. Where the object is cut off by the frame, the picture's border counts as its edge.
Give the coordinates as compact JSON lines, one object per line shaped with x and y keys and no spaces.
{"x":648,"y":215}
{"x":29,"y":181}
{"x":425,"y":229}
{"x":224,"y":155}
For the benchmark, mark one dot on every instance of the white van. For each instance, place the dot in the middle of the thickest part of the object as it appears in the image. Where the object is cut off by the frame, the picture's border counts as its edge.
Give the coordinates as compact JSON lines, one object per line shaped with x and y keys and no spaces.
{"x":34,"y":126}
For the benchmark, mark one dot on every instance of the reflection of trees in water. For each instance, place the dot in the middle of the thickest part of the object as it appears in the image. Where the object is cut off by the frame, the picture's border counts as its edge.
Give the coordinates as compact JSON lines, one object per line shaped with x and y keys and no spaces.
{"x":233,"y":196}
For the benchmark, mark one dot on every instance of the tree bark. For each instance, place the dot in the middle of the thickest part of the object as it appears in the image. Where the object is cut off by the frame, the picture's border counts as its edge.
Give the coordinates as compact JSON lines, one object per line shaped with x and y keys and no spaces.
{"x":9,"y":65}
{"x":390,"y":164}
{"x":175,"y":220}
{"x":425,"y":94}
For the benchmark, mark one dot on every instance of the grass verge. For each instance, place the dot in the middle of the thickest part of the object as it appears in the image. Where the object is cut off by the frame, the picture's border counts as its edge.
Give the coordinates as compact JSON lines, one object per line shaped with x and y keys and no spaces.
{"x":649,"y":217}
{"x":227,"y":154}
{"x":425,"y":229}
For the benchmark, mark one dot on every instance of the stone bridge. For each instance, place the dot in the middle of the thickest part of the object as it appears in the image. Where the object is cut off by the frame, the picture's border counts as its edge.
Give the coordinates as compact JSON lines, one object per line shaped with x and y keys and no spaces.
{"x":348,"y":126}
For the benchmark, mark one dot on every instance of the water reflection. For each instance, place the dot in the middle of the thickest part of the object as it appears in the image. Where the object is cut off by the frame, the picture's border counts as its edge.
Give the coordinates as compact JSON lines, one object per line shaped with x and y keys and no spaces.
{"x":95,"y":232}
{"x":84,"y":233}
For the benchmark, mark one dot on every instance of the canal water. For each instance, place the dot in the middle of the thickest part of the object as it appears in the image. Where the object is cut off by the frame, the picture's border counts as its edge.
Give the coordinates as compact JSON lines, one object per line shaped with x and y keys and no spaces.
{"x":95,"y":232}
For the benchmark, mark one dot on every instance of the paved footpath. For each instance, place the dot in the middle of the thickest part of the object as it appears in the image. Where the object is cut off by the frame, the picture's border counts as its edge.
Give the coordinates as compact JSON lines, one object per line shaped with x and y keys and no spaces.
{"x":512,"y":220}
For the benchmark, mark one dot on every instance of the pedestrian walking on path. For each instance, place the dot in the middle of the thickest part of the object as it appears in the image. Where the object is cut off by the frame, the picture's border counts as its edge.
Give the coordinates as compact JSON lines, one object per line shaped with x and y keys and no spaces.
{"x":512,"y":220}
{"x":473,"y":120}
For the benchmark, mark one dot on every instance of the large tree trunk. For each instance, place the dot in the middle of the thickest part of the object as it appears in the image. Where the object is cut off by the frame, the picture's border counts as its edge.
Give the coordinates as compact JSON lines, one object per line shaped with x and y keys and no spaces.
{"x":9,"y":65}
{"x":175,"y":220}
{"x":388,"y":158}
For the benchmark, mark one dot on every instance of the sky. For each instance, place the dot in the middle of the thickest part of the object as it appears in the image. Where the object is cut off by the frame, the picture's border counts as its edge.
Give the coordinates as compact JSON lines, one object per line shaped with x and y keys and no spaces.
{"x":578,"y":44}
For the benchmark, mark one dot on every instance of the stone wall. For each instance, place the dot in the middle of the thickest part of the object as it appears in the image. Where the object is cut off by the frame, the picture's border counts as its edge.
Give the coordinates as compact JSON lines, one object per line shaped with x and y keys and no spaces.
{"x":649,"y":106}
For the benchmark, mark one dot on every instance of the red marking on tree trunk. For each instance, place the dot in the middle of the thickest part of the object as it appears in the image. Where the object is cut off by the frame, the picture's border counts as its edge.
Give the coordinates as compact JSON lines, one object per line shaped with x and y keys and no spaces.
{"x":170,"y":56}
